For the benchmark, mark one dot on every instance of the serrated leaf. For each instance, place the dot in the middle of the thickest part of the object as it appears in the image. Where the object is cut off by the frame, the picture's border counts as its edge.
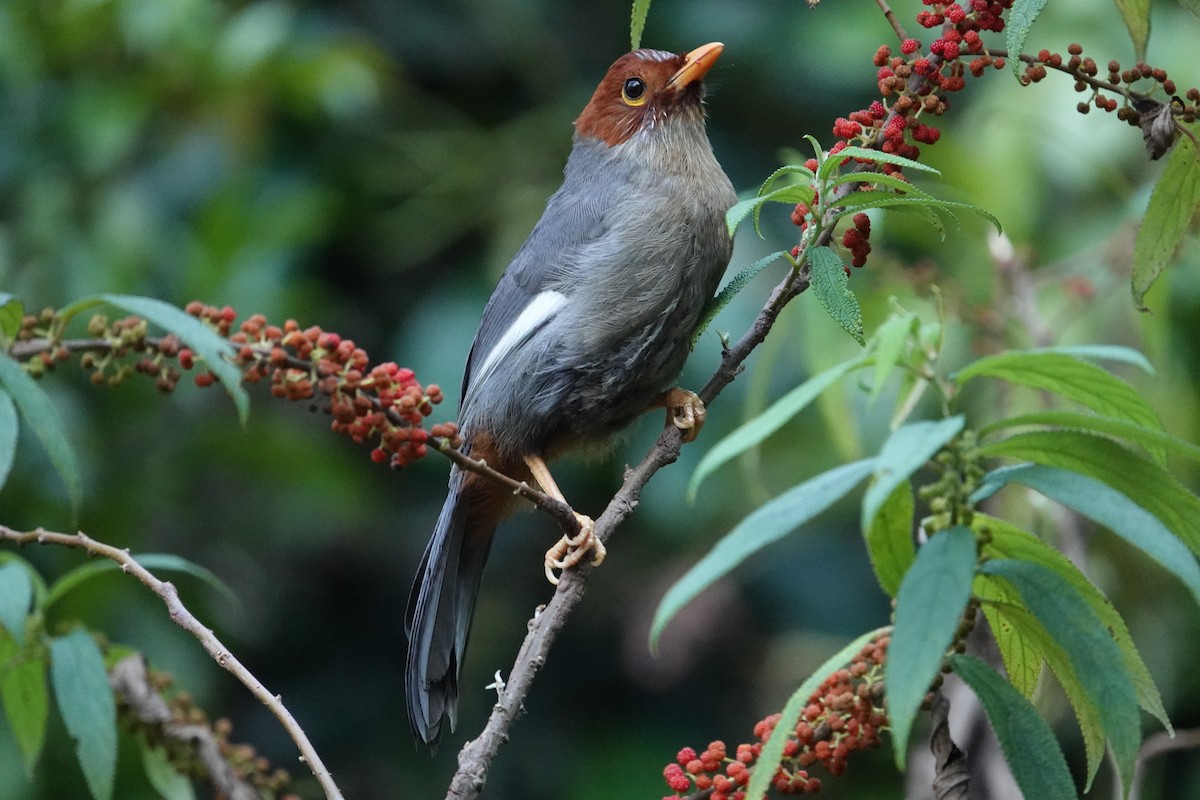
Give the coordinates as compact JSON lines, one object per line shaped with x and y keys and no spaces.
{"x":1174,"y":203}
{"x":929,"y":606}
{"x":738,"y":213}
{"x":1004,"y":540}
{"x":1152,"y":439}
{"x":772,"y":751}
{"x":1105,"y":506}
{"x":850,"y":203}
{"x":890,"y":339}
{"x":831,"y":285}
{"x":16,"y":595}
{"x":1020,"y":20}
{"x":1070,"y":378}
{"x":904,"y":452}
{"x":1156,"y":490}
{"x":881,"y":179}
{"x":832,"y":161}
{"x":1028,"y":744}
{"x":24,"y":697}
{"x":1095,"y":659}
{"x":755,"y":431}
{"x":42,"y":418}
{"x":86,"y":705}
{"x":1192,"y":6}
{"x":730,"y":291}
{"x":768,"y":523}
{"x":1136,"y":14}
{"x":637,"y":23}
{"x":799,"y":170}
{"x":205,"y":342}
{"x":1022,"y":661}
{"x":12,"y":311}
{"x":890,"y":538}
{"x":169,"y":784}
{"x":9,"y":430}
{"x":165,"y":562}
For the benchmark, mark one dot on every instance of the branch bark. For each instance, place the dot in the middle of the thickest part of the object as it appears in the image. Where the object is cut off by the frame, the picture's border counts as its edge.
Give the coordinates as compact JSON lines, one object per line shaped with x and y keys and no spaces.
{"x":476,"y":755}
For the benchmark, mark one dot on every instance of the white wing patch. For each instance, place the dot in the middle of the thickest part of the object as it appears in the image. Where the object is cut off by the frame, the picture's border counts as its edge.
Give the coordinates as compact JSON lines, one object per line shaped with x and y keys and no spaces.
{"x":540,"y":309}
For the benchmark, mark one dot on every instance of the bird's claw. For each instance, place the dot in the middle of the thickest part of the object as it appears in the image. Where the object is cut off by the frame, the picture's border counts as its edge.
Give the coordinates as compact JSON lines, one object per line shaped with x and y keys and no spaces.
{"x":570,"y":550}
{"x":685,"y":410}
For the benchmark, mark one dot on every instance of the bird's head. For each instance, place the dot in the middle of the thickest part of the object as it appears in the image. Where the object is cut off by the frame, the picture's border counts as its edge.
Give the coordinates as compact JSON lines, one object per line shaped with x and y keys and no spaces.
{"x":646,"y":89}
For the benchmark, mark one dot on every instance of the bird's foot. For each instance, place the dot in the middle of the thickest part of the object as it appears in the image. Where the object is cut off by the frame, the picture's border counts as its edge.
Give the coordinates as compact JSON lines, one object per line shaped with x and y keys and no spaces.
{"x":685,"y":410}
{"x":570,"y":550}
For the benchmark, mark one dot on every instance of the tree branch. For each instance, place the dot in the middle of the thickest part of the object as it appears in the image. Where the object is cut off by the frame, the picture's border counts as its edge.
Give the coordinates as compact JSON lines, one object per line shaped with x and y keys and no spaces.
{"x":184,"y":619}
{"x":475,"y":757}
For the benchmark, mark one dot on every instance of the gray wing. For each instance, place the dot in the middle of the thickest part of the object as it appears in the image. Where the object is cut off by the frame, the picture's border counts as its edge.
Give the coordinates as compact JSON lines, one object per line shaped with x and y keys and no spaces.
{"x":537,"y":284}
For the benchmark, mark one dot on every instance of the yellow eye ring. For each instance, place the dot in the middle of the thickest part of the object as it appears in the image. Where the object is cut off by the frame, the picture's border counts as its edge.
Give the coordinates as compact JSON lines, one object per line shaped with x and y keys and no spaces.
{"x":633,"y":92}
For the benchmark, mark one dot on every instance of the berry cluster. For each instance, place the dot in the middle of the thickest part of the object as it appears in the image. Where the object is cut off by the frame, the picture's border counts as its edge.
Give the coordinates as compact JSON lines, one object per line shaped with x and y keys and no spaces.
{"x":247,"y":764}
{"x":845,"y":714}
{"x":856,"y":239}
{"x":385,"y":403}
{"x":383,"y":406}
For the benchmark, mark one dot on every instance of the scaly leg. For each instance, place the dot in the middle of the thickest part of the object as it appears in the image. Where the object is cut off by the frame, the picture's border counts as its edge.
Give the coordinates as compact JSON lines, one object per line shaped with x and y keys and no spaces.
{"x":570,"y":550}
{"x":685,"y":410}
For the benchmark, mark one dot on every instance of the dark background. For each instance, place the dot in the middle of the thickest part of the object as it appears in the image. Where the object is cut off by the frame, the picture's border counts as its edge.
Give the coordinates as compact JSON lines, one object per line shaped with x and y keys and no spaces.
{"x":370,"y":167}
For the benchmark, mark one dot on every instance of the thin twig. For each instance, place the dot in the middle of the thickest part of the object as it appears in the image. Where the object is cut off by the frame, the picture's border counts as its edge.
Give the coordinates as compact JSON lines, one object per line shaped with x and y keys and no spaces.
{"x":183,"y":618}
{"x":891,"y":18}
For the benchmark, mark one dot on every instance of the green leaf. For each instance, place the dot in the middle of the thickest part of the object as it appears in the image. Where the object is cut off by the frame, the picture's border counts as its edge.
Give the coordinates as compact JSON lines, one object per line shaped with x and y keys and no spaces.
{"x":1069,"y":377}
{"x":42,"y":418}
{"x":1153,"y":439}
{"x":1020,"y":20}
{"x":1173,"y":205}
{"x":881,"y":179}
{"x":1136,"y":14}
{"x":1087,"y":715}
{"x":1101,"y":352}
{"x":1128,"y":472}
{"x":205,"y":342}
{"x":1192,"y":6}
{"x":768,"y":523}
{"x":1095,"y":658}
{"x":86,"y":704}
{"x":9,"y":428}
{"x":1026,"y":740}
{"x":738,"y":213}
{"x":165,"y":562}
{"x":1022,"y":660}
{"x":929,"y":606}
{"x":24,"y":697}
{"x":169,"y":784}
{"x":772,"y":751}
{"x":830,"y":283}
{"x":852,"y":202}
{"x":755,"y":431}
{"x":730,"y":291}
{"x":12,"y":311}
{"x":832,"y":162}
{"x":890,"y":538}
{"x":1003,"y":540}
{"x":637,"y":23}
{"x":16,"y":594}
{"x":1105,"y":506}
{"x":904,"y":452}
{"x":890,"y":339}
{"x":802,"y":172}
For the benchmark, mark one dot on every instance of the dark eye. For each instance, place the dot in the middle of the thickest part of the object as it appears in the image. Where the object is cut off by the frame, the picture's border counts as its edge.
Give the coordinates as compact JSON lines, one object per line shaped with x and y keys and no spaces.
{"x":633,"y":92}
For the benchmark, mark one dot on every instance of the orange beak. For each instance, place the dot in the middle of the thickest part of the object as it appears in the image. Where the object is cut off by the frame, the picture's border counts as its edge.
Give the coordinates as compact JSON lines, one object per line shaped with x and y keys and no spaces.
{"x":696,"y":65}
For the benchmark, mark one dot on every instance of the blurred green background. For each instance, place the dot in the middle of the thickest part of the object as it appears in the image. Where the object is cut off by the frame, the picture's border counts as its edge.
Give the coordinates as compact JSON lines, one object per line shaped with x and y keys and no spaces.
{"x":370,"y":167}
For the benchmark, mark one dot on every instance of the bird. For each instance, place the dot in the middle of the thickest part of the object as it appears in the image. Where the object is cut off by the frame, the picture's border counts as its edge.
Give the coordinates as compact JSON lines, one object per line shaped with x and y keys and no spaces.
{"x":588,"y":327}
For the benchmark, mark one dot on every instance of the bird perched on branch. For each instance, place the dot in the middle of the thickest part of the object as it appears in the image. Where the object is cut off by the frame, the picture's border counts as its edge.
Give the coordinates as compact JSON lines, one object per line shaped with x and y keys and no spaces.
{"x":587,"y":329}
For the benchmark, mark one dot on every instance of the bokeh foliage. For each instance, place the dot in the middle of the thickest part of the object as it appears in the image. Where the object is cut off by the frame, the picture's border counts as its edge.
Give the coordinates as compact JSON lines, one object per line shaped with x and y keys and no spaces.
{"x":370,"y":167}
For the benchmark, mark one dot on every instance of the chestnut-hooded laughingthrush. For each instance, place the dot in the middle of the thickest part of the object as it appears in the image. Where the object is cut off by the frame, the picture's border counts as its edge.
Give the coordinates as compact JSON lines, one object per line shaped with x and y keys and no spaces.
{"x":588,"y":328}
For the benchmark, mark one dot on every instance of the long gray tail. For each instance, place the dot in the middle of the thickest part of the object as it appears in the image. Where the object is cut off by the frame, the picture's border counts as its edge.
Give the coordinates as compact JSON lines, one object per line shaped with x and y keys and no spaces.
{"x":441,"y":605}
